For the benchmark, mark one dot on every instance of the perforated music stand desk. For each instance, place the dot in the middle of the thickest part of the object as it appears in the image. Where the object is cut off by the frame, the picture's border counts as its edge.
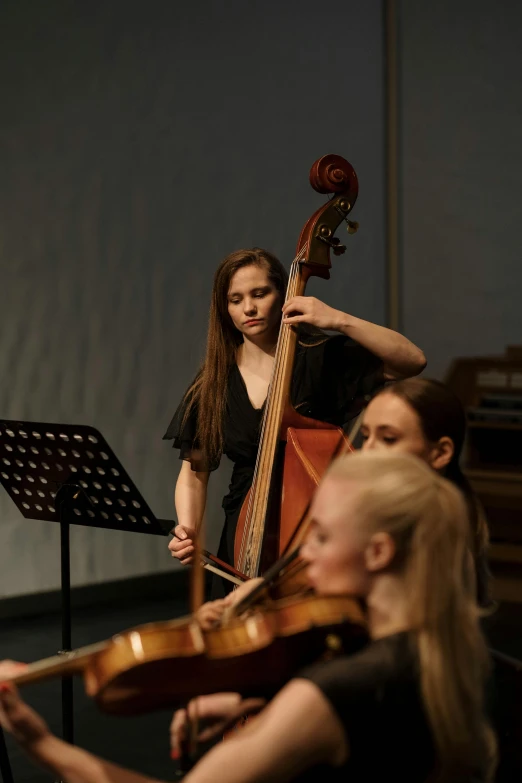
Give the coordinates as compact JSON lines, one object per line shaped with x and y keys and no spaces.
{"x":69,"y":474}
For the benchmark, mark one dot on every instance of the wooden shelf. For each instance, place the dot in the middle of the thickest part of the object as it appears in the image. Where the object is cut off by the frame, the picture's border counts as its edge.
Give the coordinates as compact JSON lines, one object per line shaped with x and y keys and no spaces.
{"x":493,"y":425}
{"x":494,"y":475}
{"x":506,"y":553}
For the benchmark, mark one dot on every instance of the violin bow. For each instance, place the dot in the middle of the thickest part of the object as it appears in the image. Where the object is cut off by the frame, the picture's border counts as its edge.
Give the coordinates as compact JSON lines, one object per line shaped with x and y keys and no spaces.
{"x":217,"y":566}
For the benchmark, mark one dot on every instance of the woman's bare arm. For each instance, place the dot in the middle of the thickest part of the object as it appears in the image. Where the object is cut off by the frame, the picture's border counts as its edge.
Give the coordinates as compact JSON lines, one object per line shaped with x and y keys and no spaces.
{"x":296,"y":731}
{"x":400,"y":357}
{"x":65,"y":761}
{"x":190,"y":498}
{"x":78,"y":766}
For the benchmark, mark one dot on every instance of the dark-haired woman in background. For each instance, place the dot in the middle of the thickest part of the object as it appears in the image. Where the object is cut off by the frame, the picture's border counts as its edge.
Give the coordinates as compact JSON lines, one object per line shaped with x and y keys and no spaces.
{"x":221,"y":412}
{"x":424,"y":417}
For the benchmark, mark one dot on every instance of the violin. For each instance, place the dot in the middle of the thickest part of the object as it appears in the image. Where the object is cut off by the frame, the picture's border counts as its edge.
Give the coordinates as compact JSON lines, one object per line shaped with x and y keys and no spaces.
{"x":294,"y":450}
{"x":135,"y":671}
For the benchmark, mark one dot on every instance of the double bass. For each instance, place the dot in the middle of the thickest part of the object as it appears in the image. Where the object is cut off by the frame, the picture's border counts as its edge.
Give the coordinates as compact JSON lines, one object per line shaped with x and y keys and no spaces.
{"x":294,"y":450}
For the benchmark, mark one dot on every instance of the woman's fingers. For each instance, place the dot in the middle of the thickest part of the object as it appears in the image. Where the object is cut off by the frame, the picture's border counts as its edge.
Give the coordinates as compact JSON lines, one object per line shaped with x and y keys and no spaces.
{"x":242,"y":591}
{"x":213,"y":705}
{"x":176,"y":546}
{"x":295,"y":303}
{"x":182,"y":550}
{"x":296,"y":319}
{"x":215,"y":710}
{"x":187,"y":555}
{"x":182,"y":533}
{"x":297,"y":309}
{"x":210,"y":613}
{"x":178,"y":729}
{"x":9,"y":669}
{"x":242,"y":709}
{"x":215,"y":730}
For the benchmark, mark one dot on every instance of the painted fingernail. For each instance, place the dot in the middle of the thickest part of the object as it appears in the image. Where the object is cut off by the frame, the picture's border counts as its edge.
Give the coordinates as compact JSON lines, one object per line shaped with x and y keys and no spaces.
{"x":5,"y":687}
{"x":174,"y":754}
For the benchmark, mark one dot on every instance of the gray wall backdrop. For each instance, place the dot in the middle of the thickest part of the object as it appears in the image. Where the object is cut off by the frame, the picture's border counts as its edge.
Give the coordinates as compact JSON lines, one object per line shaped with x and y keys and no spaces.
{"x":461,"y":142}
{"x":140,"y":142}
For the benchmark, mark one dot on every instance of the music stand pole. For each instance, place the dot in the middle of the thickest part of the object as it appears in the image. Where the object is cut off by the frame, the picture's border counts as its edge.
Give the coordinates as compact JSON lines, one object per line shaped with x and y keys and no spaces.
{"x":64,"y":493}
{"x":5,"y":767}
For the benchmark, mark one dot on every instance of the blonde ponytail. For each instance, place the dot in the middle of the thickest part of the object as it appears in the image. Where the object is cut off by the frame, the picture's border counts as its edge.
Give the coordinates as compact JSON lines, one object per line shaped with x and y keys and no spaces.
{"x":427,"y":517}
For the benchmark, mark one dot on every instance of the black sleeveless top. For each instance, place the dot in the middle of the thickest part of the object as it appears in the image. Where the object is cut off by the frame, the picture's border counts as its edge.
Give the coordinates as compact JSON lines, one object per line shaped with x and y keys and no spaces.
{"x":376,"y":696}
{"x":331,"y":382}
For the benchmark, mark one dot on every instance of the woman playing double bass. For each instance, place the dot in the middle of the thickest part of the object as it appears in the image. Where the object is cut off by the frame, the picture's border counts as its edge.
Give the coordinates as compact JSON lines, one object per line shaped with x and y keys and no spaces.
{"x":222,"y":410}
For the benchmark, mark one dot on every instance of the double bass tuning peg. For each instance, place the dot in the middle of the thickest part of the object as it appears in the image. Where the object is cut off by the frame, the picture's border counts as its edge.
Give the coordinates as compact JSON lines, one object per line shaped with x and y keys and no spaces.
{"x":352,"y":226}
{"x":325,"y":235}
{"x":337,"y":248}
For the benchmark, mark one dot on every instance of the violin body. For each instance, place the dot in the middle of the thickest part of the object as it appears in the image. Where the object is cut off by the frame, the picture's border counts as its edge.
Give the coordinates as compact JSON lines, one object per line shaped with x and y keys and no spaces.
{"x":137,"y":673}
{"x":163,"y":665}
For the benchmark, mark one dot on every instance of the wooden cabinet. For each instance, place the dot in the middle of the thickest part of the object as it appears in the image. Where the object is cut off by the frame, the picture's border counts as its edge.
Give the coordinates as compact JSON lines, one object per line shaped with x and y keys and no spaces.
{"x":491,"y":390}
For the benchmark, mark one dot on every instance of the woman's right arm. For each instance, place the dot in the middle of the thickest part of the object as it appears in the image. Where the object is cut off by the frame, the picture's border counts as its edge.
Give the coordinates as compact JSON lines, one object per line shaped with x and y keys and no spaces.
{"x":296,"y":731}
{"x":190,"y":499}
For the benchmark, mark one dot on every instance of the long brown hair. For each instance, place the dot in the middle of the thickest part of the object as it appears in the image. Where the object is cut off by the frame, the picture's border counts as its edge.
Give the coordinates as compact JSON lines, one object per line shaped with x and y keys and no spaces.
{"x":427,"y":517}
{"x":209,"y":390}
{"x":441,"y":414}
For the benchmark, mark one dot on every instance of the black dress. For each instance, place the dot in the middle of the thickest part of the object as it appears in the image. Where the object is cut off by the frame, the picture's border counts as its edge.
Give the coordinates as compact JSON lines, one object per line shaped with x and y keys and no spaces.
{"x":376,"y":696}
{"x":331,"y":382}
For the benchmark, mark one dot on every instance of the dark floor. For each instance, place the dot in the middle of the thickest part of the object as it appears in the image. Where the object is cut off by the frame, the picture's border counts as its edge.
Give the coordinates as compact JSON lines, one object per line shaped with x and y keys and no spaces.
{"x":139,"y":743}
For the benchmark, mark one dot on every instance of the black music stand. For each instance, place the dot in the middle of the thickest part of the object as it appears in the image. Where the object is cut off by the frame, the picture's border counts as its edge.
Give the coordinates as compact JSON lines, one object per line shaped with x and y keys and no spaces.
{"x":5,"y":767}
{"x":69,"y":474}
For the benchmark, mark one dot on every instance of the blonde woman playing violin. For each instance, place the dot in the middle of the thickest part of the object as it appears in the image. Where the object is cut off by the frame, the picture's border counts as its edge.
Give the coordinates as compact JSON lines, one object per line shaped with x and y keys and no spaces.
{"x":386,"y":528}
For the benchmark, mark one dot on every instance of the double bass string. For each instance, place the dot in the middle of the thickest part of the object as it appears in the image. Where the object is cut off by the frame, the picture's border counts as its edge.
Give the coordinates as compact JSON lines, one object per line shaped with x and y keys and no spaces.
{"x":276,"y":390}
{"x":267,"y":419}
{"x":252,"y":534}
{"x":265,"y":453}
{"x":278,"y":387}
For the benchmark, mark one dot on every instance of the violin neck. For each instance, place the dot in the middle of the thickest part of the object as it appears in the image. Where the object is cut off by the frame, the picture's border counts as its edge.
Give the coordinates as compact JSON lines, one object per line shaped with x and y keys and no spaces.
{"x":67,"y":663}
{"x":278,"y":401}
